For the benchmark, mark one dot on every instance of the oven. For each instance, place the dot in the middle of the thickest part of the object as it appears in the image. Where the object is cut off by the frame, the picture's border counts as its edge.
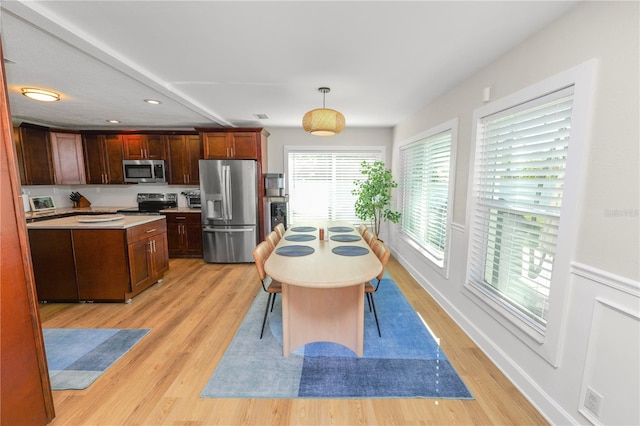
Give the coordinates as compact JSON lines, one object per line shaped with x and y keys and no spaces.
{"x":152,"y":203}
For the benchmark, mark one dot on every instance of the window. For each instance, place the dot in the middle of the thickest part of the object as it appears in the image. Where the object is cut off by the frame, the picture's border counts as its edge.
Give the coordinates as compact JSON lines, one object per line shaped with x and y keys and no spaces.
{"x":518,"y":189}
{"x":426,"y":164}
{"x":320,"y":182}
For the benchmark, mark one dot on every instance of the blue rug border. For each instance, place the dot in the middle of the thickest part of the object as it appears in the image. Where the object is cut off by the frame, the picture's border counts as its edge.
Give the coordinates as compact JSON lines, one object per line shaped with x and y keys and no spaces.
{"x":88,"y":354}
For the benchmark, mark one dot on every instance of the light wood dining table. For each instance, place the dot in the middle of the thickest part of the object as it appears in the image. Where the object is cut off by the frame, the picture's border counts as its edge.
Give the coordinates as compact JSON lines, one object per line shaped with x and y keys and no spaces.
{"x":322,"y":292}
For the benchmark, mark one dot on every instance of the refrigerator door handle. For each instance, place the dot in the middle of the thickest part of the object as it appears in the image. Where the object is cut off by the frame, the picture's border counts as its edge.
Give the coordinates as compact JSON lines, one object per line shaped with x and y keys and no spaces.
{"x":228,"y":202}
{"x":227,"y":230}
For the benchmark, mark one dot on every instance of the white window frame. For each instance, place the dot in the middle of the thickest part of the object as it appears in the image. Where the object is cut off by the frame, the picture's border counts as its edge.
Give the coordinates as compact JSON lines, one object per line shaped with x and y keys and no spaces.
{"x":546,"y":343}
{"x":440,"y":265}
{"x":379,"y":150}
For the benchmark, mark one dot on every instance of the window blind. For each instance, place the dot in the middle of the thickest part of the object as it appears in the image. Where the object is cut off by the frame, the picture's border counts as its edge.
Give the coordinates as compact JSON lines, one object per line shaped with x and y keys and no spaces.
{"x":320,"y":184}
{"x":424,"y":192}
{"x":518,"y":189}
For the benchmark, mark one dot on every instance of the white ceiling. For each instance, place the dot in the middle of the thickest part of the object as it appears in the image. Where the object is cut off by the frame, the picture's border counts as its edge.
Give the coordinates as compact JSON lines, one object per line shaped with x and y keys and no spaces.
{"x":217,"y":63}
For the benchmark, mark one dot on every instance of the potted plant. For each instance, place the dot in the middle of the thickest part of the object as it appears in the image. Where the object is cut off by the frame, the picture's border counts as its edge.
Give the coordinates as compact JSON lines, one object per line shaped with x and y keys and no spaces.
{"x":374,"y":195}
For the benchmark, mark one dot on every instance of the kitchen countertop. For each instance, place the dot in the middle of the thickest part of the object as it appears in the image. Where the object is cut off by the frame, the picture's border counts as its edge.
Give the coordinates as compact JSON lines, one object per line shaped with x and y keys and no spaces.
{"x":30,"y":216}
{"x":72,"y":222}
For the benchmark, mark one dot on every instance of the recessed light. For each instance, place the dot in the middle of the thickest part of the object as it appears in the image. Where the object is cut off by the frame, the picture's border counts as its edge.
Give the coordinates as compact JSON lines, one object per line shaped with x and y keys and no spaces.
{"x":113,"y":121}
{"x":152,"y":101}
{"x":40,"y":94}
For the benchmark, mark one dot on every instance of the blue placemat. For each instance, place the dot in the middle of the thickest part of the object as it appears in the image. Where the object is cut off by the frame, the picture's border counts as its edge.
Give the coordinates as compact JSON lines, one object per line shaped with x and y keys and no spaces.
{"x":340,"y":229}
{"x":300,"y":237}
{"x":304,"y":229}
{"x":345,"y":238}
{"x":350,"y":250}
{"x":294,"y":250}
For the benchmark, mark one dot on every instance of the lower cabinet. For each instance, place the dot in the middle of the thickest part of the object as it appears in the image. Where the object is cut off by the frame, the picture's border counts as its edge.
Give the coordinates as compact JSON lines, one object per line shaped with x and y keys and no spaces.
{"x":184,"y":233}
{"x":102,"y":265}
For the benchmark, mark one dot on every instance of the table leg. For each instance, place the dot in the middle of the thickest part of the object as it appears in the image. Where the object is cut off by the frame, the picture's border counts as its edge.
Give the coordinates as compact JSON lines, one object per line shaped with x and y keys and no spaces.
{"x":322,"y":314}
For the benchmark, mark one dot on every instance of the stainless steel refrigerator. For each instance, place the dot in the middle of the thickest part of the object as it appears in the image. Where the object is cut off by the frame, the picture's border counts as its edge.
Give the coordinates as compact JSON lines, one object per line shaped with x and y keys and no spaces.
{"x":229,"y":194}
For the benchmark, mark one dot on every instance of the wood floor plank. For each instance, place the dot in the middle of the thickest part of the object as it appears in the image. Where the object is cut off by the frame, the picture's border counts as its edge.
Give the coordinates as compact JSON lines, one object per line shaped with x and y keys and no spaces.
{"x":194,"y":314}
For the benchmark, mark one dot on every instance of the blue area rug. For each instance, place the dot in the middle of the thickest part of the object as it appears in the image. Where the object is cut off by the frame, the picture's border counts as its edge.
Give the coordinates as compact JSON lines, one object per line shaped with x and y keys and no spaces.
{"x":78,"y":356}
{"x":406,"y":362}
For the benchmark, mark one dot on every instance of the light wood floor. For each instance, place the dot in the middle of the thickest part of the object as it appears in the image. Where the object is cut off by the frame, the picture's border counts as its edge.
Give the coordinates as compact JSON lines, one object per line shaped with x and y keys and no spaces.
{"x":194,"y":314}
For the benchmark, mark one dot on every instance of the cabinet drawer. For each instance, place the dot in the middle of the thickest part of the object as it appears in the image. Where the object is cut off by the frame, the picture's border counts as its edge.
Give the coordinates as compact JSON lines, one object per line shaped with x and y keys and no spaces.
{"x":146,"y":230}
{"x":183,"y":218}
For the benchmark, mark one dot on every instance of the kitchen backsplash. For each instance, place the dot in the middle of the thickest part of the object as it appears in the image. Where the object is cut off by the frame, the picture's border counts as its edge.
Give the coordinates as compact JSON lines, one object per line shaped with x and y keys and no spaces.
{"x":104,"y":195}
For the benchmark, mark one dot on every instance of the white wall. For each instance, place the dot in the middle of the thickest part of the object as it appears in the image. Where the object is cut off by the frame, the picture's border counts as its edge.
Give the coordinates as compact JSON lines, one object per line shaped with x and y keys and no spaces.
{"x":603,"y":283}
{"x":351,"y":136}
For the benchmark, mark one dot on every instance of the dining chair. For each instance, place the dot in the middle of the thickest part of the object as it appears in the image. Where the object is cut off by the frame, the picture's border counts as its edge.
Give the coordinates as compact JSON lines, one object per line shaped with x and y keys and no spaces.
{"x":273,"y":239}
{"x":382,"y":253}
{"x":369,"y":237}
{"x":269,"y":285}
{"x":280,"y":230}
{"x":362,"y":228}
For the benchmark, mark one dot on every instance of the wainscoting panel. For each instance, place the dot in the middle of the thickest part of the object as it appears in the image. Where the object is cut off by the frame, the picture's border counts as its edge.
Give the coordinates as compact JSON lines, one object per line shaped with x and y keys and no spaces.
{"x":610,"y":388}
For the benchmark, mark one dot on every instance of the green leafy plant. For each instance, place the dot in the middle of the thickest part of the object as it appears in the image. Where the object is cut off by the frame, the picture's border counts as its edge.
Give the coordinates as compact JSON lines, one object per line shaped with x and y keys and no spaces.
{"x":374,"y":195}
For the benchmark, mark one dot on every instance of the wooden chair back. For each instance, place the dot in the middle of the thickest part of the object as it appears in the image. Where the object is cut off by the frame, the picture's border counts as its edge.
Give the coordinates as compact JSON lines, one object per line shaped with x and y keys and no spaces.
{"x":382,"y":253}
{"x":280,"y":230}
{"x":260,"y":255}
{"x":273,"y":239}
{"x":369,"y":237}
{"x":362,"y":228}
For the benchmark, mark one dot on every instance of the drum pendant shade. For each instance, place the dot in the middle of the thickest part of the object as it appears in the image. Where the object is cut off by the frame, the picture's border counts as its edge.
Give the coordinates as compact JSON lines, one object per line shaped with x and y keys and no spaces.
{"x":323,"y":121}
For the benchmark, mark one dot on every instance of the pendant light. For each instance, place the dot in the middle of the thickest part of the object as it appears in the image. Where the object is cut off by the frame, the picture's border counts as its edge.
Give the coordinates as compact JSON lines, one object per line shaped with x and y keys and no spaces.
{"x":323,"y":121}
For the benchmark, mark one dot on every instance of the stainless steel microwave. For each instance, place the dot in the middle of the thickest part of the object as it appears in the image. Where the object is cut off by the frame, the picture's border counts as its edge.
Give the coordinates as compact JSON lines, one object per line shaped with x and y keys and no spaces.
{"x":144,"y":171}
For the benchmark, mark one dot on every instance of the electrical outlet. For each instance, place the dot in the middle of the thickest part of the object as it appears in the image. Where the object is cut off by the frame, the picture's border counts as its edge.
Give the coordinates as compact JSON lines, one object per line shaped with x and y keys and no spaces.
{"x":593,"y":401}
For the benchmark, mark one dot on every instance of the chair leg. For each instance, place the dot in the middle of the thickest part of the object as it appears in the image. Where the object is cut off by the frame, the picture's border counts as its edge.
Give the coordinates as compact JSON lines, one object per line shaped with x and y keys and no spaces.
{"x":375,"y":313}
{"x":266,"y":312}
{"x":369,"y":300}
{"x":273,"y":301}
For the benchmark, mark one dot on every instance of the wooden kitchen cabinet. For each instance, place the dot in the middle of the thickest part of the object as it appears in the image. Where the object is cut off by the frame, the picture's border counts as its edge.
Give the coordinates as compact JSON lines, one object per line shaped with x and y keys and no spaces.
{"x":237,"y":143}
{"x":103,"y":155}
{"x":68,"y":158}
{"x":34,"y":155}
{"x":184,"y":154}
{"x":184,"y":234}
{"x":148,"y":254}
{"x":110,"y":265}
{"x":144,"y":147}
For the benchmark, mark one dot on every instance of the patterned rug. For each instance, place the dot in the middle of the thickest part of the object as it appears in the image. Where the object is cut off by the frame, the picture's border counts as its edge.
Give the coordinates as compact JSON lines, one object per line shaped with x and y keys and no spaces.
{"x":78,"y":356}
{"x":405,"y":362}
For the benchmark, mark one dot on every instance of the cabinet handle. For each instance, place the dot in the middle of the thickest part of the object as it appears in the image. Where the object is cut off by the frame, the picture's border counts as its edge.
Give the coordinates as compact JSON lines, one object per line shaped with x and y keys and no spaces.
{"x":154,"y":246}
{"x":150,"y":246}
{"x":150,"y":230}
{"x":181,"y":217}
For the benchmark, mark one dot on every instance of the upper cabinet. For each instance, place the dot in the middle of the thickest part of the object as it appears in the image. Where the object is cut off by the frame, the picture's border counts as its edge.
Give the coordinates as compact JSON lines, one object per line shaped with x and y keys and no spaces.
{"x":234,"y":143}
{"x":34,"y":155}
{"x":144,"y":147}
{"x":184,"y":154}
{"x":67,"y":158}
{"x":103,"y":155}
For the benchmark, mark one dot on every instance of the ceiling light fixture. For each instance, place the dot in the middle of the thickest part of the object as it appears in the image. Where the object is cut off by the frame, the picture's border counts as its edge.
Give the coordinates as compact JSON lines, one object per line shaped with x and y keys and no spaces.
{"x":40,"y":95}
{"x":323,"y":121}
{"x":152,"y":101}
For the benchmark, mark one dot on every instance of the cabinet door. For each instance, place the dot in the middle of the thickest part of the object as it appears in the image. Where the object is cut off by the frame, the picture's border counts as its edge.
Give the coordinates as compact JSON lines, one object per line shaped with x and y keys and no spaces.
{"x":140,"y":268}
{"x":160,"y":256}
{"x":215,"y":146}
{"x":177,"y":161}
{"x":36,"y":151}
{"x":155,"y":147}
{"x":134,"y":147}
{"x":94,"y":159}
{"x":193,"y":146}
{"x":244,"y":145}
{"x":68,"y":160}
{"x":114,"y":156}
{"x":193,"y":240}
{"x":174,"y":235}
